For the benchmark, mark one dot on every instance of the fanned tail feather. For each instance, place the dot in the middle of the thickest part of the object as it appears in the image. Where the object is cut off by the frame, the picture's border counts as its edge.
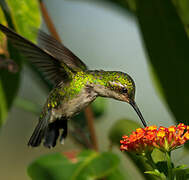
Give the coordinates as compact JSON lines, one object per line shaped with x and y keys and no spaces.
{"x":48,"y":131}
{"x":39,"y":132}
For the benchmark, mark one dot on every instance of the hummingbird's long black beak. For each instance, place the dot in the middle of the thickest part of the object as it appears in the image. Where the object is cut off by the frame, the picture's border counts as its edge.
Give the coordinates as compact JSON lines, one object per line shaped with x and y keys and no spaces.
{"x":134,"y":105}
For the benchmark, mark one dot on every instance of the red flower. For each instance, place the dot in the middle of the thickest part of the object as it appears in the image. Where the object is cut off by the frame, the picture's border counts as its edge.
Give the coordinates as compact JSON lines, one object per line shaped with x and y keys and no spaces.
{"x":165,"y":139}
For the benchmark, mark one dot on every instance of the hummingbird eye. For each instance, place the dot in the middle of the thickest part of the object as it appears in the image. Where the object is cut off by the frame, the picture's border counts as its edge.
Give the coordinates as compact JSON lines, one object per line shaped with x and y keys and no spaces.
{"x":124,"y":90}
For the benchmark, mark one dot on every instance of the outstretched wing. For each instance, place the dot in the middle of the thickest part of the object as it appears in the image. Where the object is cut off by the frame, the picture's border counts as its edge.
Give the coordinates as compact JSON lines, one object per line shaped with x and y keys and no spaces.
{"x":59,"y":51}
{"x":54,"y":68}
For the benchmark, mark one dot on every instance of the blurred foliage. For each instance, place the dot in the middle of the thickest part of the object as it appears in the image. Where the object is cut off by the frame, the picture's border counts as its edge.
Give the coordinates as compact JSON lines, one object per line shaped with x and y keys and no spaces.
{"x":3,"y":104}
{"x":87,"y":165}
{"x":182,"y":174}
{"x":168,"y":49}
{"x":14,"y":14}
{"x":182,"y":7}
{"x":117,"y":174}
{"x":2,"y":21}
{"x":9,"y":82}
{"x":23,"y":11}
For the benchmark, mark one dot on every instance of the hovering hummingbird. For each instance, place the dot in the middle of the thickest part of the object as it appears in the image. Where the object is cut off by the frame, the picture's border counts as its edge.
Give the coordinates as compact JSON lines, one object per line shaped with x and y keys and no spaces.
{"x":75,"y":86}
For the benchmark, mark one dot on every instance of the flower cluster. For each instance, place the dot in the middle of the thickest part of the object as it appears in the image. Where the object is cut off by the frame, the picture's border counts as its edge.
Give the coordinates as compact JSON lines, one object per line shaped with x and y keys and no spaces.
{"x":165,"y":139}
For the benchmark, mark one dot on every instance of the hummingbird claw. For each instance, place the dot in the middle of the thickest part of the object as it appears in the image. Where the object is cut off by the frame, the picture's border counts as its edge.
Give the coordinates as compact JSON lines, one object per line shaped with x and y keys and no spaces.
{"x":62,"y":141}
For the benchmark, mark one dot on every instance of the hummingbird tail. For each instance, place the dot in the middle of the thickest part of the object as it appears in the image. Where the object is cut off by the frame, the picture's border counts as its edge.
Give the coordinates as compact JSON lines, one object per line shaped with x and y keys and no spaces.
{"x":49,"y":132}
{"x":39,"y":132}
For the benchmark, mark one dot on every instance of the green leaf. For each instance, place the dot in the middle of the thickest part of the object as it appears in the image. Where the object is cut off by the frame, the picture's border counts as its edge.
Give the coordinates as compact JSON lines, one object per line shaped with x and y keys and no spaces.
{"x":3,"y":103}
{"x":158,"y":155}
{"x":182,"y":174}
{"x":23,"y":14}
{"x":3,"y":106}
{"x":9,"y":82}
{"x":162,"y":167}
{"x":26,"y":16}
{"x":117,"y":175}
{"x":2,"y":21}
{"x":89,"y":165}
{"x":49,"y":167}
{"x":180,"y":169}
{"x":183,"y":10}
{"x":168,"y":49}
{"x":156,"y":173}
{"x":96,"y":165}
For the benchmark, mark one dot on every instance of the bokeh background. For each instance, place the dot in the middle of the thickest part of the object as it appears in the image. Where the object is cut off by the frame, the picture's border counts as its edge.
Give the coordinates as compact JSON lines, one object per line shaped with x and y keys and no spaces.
{"x":105,"y":36}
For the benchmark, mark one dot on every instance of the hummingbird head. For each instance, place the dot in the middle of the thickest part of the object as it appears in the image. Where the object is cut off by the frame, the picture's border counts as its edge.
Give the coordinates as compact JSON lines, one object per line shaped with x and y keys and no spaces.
{"x":120,"y":86}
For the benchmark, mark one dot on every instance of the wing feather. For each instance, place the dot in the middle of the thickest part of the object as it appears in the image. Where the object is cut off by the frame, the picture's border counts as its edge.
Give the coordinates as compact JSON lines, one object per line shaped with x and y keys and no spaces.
{"x":51,"y":65}
{"x":60,"y":51}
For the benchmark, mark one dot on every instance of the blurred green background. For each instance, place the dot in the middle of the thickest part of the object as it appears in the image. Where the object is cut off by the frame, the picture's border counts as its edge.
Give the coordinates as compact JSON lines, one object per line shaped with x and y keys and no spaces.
{"x":107,"y":35}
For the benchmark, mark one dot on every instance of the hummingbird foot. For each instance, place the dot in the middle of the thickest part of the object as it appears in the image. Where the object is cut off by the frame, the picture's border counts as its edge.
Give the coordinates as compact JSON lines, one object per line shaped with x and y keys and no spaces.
{"x":62,"y":141}
{"x":65,"y":131}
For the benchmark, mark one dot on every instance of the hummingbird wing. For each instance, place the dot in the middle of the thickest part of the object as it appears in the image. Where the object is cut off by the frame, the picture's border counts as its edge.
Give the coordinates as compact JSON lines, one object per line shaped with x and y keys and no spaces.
{"x":55,"y":69}
{"x":58,"y":50}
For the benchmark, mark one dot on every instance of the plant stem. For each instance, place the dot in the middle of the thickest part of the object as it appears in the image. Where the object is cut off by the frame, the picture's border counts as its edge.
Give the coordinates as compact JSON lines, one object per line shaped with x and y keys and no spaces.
{"x":86,"y":142}
{"x":90,"y":121}
{"x":153,"y":165}
{"x":169,"y":165}
{"x":150,"y":161}
{"x":88,"y":111}
{"x":49,"y":22}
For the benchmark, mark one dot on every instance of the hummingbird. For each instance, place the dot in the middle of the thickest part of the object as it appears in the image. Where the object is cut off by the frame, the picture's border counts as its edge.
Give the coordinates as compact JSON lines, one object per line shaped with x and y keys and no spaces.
{"x":75,"y":86}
